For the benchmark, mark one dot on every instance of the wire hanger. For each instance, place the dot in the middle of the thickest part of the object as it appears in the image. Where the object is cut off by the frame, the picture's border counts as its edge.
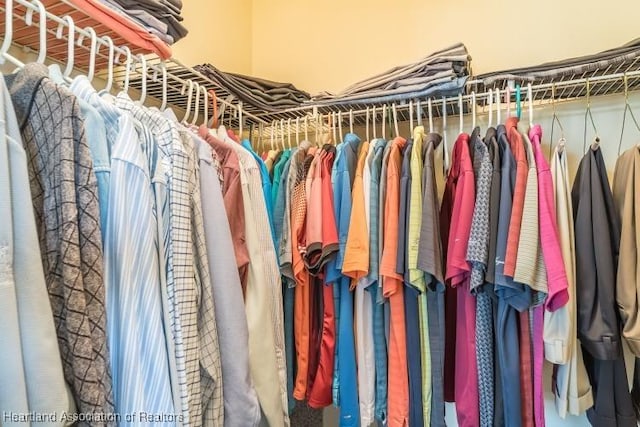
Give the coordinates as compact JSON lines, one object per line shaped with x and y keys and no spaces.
{"x":587,"y":114}
{"x":627,"y":107}
{"x":555,"y":119}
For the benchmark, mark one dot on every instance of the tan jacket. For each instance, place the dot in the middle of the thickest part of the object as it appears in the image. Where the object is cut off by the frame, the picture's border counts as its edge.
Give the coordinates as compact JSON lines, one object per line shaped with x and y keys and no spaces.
{"x":626,"y":185}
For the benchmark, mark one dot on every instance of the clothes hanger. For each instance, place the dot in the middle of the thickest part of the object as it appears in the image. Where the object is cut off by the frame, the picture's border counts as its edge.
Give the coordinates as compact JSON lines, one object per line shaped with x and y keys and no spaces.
{"x":127,"y":69}
{"x":340,"y":124}
{"x":8,"y":34}
{"x":530,"y":103}
{"x":145,"y":69}
{"x":554,"y":120}
{"x":66,"y":74}
{"x":518,"y":103}
{"x":410,"y":116}
{"x":596,"y":142}
{"x":498,"y":108}
{"x":473,"y":110}
{"x":367,"y":125}
{"x":189,"y":93}
{"x":163,"y":104}
{"x":445,"y":147}
{"x":289,"y":133}
{"x":351,"y":121}
{"x":282,"y":132}
{"x":373,"y":123}
{"x":395,"y":119}
{"x":297,"y":131}
{"x":196,"y":105}
{"x":627,"y":107}
{"x":92,"y":51}
{"x":490,"y":103}
{"x":430,"y":112}
{"x":384,"y":121}
{"x":42,"y":28}
{"x":272,"y":132}
{"x":419,"y":113}
{"x":460,"y":115}
{"x":306,"y":129}
{"x":507,"y":100}
{"x":214,"y":105}
{"x":109,"y":42}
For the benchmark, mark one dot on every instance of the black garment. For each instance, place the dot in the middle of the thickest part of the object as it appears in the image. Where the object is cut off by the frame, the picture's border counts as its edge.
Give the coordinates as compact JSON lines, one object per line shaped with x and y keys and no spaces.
{"x":597,"y":232}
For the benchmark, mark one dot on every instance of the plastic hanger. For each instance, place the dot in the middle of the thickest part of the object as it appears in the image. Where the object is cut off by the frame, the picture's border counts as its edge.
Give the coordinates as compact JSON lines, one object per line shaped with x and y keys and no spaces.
{"x":384,"y":121}
{"x":214,"y":108}
{"x":530,"y":103}
{"x":189,"y":93}
{"x":351,"y":121}
{"x":143,"y":92}
{"x":333,"y":127}
{"x":445,"y":146}
{"x":163,"y":105}
{"x":507,"y":100}
{"x":419,"y":113}
{"x":627,"y":107}
{"x":70,"y":45}
{"x":460,"y":115}
{"x":127,"y":69}
{"x":490,"y":103}
{"x":395,"y":120}
{"x":306,"y":128}
{"x":297,"y":131}
{"x":367,"y":125}
{"x":554,"y":120}
{"x":282,"y":132}
{"x":518,"y":103}
{"x":430,"y":112}
{"x":196,"y":105}
{"x":8,"y":31}
{"x":206,"y":104}
{"x":373,"y":123}
{"x":340,"y":124}
{"x":92,"y":51}
{"x":272,"y":130}
{"x":473,"y":110}
{"x":411,"y":116}
{"x":596,"y":142}
{"x":289,"y":134}
{"x":109,"y":42}
{"x":498,"y":108}
{"x":42,"y":30}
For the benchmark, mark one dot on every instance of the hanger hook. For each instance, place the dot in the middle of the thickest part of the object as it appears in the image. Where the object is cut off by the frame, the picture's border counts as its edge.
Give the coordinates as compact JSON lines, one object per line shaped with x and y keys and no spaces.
{"x":71,"y":47}
{"x":92,"y":52}
{"x":395,"y":119}
{"x":188,"y":87}
{"x":288,"y":133}
{"x":445,"y":148}
{"x":588,"y":115}
{"x":163,"y":105}
{"x":351,"y":121}
{"x":411,"y":115}
{"x":143,"y":62}
{"x":490,"y":103}
{"x":473,"y":110}
{"x":42,"y":28}
{"x":498,"y":107}
{"x":627,"y":107}
{"x":196,"y":106}
{"x":373,"y":122}
{"x":109,"y":42}
{"x":460,"y":112}
{"x":205,"y":98}
{"x":367,"y":124}
{"x":530,"y":103}
{"x":419,"y":113}
{"x":298,"y":131}
{"x":430,"y":112}
{"x":127,"y":68}
{"x":8,"y":30}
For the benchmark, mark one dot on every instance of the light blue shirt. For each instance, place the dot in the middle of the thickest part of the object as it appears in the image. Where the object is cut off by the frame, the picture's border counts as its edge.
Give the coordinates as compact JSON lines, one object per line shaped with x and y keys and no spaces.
{"x":140,"y":359}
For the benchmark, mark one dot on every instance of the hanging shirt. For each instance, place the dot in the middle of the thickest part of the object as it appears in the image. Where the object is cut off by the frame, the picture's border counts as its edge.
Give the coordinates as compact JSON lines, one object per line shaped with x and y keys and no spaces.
{"x":266,"y":183}
{"x":241,"y":406}
{"x":356,"y":266}
{"x":379,"y":340}
{"x":321,"y":395}
{"x":461,"y":182}
{"x":572,"y":388}
{"x":393,"y":289}
{"x":345,"y":369}
{"x":233,"y":200}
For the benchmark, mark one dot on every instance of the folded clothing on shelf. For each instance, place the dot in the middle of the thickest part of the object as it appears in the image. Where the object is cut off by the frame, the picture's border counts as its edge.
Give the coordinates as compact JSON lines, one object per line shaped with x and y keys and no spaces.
{"x":442,"y":73}
{"x":263,"y":94}
{"x":160,"y":17}
{"x":597,"y":63}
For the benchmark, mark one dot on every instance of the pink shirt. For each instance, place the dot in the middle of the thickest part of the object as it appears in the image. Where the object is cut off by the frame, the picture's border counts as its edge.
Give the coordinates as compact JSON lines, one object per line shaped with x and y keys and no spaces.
{"x":549,"y":237}
{"x":458,"y":272}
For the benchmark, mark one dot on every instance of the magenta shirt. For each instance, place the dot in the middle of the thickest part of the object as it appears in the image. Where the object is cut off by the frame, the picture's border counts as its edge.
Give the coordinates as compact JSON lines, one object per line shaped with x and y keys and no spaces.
{"x":551,"y":253}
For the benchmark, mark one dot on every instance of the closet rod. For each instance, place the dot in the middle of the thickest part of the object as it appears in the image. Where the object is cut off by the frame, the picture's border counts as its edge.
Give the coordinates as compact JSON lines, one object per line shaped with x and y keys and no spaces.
{"x":152,"y":68}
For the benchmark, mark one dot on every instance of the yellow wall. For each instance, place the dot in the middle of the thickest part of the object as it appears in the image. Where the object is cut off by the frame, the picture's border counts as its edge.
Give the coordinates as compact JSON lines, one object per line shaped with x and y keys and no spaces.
{"x":326,"y":45}
{"x":219,"y":33}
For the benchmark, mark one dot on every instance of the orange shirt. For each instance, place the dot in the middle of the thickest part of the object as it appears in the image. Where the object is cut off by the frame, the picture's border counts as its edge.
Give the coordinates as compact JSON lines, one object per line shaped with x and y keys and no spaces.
{"x":356,"y":254}
{"x":398,"y":388}
{"x":522,"y":170}
{"x":300,"y":272}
